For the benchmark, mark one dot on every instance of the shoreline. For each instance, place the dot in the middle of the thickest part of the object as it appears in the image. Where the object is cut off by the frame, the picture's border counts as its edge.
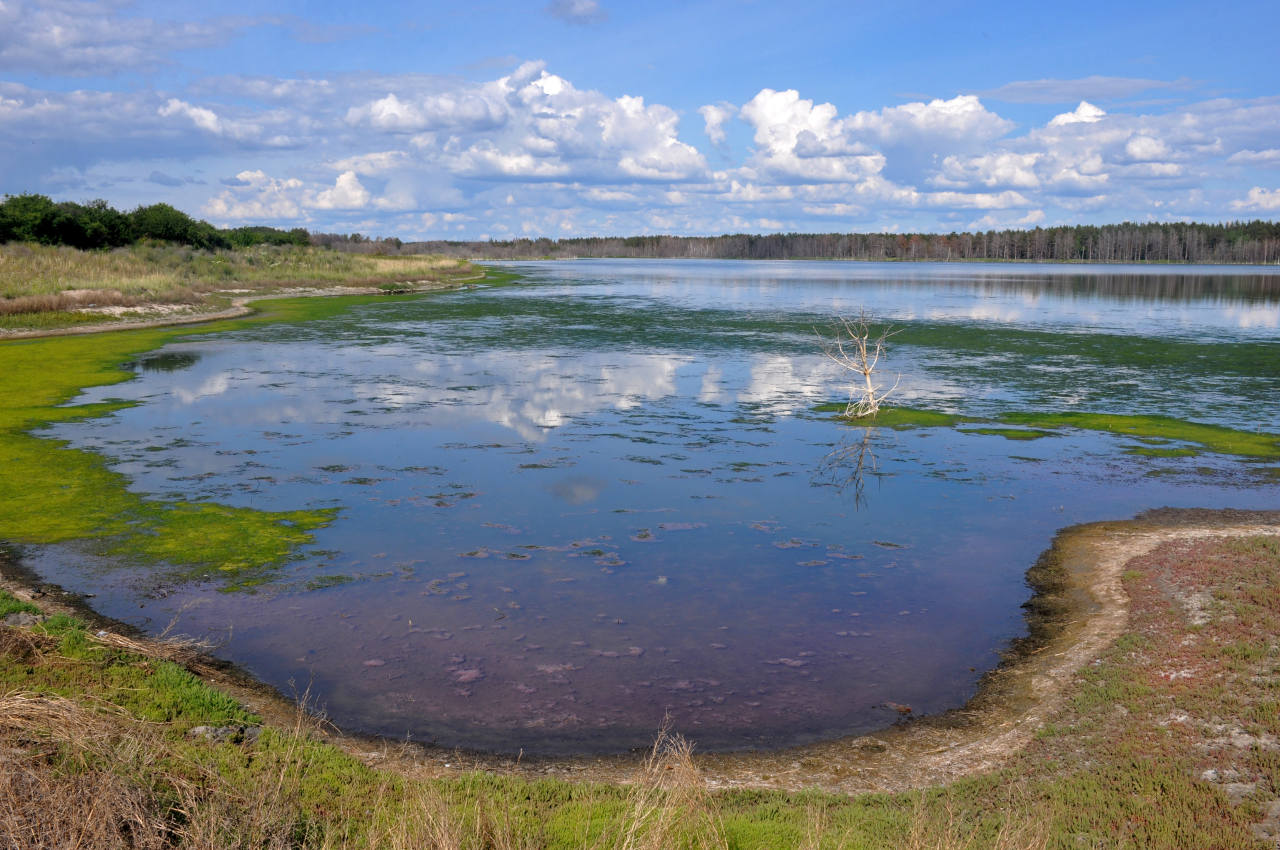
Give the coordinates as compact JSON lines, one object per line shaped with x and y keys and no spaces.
{"x":1270,"y":268}
{"x":239,"y":307}
{"x":1080,"y":603}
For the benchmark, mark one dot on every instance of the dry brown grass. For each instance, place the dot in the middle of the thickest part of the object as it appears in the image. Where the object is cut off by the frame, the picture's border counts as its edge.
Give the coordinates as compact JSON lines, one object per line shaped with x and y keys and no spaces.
{"x":669,"y":801}
{"x":668,"y":806}
{"x":93,"y":778}
{"x":942,"y":828}
{"x":214,"y":816}
{"x":67,"y":777}
{"x":88,"y":299}
{"x":44,"y":279}
{"x":432,"y":818}
{"x":184,"y":651}
{"x":43,"y":269}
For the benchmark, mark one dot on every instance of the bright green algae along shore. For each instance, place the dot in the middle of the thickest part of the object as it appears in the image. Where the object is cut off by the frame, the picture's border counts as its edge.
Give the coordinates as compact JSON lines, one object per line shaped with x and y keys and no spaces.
{"x":1157,"y":430}
{"x":1214,"y":438}
{"x":50,"y":493}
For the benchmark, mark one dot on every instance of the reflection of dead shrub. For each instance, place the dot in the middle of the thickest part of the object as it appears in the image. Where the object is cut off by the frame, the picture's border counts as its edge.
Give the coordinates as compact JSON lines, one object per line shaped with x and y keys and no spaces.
{"x":847,"y":465}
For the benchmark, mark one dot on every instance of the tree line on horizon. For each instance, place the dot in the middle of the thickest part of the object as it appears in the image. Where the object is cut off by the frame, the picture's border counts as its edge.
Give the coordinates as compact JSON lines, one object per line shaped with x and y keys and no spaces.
{"x":97,"y":225}
{"x":1235,"y":242}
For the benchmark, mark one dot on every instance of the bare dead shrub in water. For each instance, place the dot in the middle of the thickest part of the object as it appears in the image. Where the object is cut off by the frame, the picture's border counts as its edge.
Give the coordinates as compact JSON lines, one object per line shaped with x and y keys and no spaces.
{"x":853,"y":346}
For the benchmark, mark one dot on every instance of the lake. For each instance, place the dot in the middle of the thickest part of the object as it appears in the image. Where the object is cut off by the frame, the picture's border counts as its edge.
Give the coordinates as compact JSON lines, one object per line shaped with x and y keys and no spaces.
{"x":601,"y":495}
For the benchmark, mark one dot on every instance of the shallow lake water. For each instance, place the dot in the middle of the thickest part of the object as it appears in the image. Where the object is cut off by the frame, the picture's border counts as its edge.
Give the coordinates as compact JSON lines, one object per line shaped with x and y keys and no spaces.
{"x":573,"y":506}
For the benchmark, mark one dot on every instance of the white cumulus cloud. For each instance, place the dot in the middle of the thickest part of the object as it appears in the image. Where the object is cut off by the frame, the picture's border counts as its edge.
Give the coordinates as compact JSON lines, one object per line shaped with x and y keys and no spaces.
{"x":258,"y":198}
{"x":796,"y":139}
{"x":1269,"y":157}
{"x":347,"y":193}
{"x":379,"y":162}
{"x":715,"y":115}
{"x":999,"y":169}
{"x":1146,"y":149}
{"x":1085,"y":113}
{"x":961,"y":117}
{"x":1259,"y":199}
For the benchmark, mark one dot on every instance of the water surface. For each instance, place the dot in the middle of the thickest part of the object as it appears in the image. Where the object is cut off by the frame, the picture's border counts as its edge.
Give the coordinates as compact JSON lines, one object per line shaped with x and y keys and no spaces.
{"x":575,"y":505}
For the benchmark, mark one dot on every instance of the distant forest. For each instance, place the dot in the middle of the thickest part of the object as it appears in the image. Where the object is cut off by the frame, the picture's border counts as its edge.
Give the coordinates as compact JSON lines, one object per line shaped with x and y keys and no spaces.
{"x":1236,"y":242}
{"x":96,"y":225}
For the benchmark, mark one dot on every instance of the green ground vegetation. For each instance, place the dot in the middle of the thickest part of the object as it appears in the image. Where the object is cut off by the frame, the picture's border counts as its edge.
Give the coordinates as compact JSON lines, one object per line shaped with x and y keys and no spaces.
{"x":1214,"y":438}
{"x":1155,"y":431}
{"x":1136,"y":758}
{"x":1010,"y":433}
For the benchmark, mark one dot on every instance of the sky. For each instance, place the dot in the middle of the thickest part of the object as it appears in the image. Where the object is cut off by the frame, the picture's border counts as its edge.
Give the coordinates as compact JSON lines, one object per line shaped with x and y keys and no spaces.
{"x":497,"y":119}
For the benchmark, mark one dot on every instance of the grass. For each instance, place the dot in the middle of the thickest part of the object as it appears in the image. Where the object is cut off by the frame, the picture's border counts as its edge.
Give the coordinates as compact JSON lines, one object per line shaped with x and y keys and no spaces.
{"x":45,"y":287}
{"x":91,"y":724}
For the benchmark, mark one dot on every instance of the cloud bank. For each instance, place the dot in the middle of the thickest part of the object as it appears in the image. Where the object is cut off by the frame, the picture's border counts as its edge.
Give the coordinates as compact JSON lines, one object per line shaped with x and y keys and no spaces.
{"x":531,"y":152}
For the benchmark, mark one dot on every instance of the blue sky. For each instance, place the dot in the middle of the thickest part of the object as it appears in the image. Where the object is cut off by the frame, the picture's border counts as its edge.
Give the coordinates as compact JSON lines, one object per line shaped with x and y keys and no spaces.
{"x":499,"y":119}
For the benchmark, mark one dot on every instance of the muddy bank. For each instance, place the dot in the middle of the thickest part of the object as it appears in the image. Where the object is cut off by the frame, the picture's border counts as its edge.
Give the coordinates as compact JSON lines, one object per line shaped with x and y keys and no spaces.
{"x":1079,"y":608}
